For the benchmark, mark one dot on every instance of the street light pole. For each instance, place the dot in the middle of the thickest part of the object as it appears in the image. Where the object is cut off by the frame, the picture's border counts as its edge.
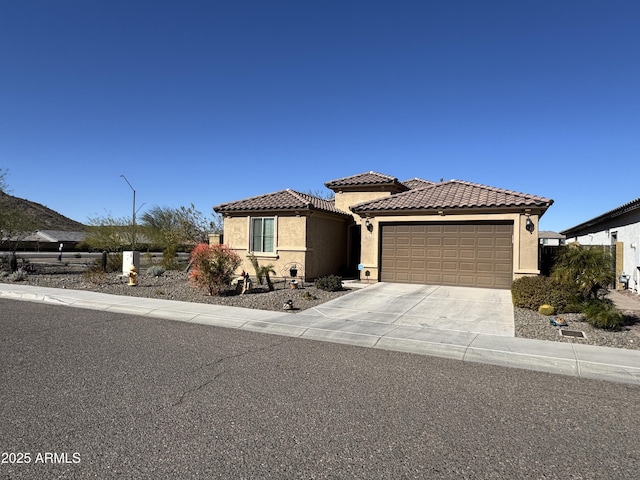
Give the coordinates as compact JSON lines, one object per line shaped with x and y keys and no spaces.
{"x":133,"y":212}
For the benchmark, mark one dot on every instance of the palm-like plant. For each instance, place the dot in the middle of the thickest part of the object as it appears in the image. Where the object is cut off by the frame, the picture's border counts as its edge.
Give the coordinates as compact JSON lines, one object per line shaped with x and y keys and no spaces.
{"x":262,"y":271}
{"x":588,"y":268}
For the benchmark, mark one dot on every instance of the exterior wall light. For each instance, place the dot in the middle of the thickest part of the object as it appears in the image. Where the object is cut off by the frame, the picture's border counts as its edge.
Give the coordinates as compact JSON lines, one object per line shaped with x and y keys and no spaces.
{"x":529,"y":225}
{"x":368,"y":225}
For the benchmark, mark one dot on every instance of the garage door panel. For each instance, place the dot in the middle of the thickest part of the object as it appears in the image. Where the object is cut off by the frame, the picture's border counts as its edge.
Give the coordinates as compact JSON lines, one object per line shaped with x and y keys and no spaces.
{"x":485,"y":267}
{"x":449,"y":266}
{"x":503,"y":242}
{"x":485,"y":242}
{"x":433,"y":278}
{"x":468,"y":254}
{"x":484,"y":281}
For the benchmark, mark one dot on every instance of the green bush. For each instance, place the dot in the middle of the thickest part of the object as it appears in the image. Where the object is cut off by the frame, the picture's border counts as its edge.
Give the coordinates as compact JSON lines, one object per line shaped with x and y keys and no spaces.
{"x":18,"y":276}
{"x":114,"y":262}
{"x":546,"y":309}
{"x":602,"y":313}
{"x":331,"y":283}
{"x":531,"y":292}
{"x":170,"y":258}
{"x":155,"y":271}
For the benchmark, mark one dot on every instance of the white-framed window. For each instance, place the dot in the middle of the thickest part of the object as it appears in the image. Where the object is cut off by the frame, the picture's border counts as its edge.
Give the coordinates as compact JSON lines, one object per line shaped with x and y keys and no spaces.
{"x":263,"y":234}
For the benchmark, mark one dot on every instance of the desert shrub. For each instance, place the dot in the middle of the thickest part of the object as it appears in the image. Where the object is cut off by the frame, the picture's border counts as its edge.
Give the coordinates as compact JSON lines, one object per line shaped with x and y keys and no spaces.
{"x":4,"y":262}
{"x":589,"y":269}
{"x":170,"y":258}
{"x":18,"y":276}
{"x":531,"y":292}
{"x":309,"y":296}
{"x":114,"y":262}
{"x":155,"y":271}
{"x":213,"y":267}
{"x":602,"y":313}
{"x":546,"y":309}
{"x":331,"y":283}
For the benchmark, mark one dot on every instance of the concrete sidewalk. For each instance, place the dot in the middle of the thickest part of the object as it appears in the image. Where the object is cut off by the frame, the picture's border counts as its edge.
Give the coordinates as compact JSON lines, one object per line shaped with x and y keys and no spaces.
{"x":584,"y":361}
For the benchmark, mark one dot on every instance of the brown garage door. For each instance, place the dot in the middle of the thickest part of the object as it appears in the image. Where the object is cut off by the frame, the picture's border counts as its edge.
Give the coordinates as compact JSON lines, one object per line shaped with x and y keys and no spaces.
{"x":468,"y":254}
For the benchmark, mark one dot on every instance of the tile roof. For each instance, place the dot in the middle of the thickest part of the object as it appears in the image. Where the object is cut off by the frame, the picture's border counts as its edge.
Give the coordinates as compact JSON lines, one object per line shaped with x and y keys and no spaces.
{"x":550,"y":234}
{"x":55,"y":236}
{"x":364,"y":179}
{"x":417,"y":183}
{"x":453,"y":194}
{"x":282,"y":200}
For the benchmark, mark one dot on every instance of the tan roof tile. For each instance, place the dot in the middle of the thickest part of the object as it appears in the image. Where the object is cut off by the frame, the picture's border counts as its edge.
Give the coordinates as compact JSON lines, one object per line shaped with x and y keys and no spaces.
{"x":453,"y":194}
{"x":282,"y":200}
{"x":417,"y":183}
{"x":365,"y":179}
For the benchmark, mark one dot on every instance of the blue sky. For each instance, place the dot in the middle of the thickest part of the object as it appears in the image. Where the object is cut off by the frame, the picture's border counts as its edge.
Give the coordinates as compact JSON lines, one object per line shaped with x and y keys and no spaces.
{"x":206,"y":102}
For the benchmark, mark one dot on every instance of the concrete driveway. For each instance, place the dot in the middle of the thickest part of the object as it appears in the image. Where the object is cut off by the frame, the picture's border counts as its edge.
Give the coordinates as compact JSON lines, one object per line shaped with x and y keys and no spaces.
{"x":461,"y":309}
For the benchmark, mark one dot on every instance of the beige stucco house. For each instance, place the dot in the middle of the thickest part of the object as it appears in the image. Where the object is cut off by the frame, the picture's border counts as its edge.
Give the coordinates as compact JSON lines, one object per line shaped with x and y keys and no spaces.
{"x":381,"y":229}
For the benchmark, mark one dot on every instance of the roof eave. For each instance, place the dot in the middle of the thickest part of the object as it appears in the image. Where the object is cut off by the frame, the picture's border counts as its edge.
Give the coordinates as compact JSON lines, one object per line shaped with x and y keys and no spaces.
{"x":616,"y":212}
{"x":536,"y":209}
{"x":278,"y":210}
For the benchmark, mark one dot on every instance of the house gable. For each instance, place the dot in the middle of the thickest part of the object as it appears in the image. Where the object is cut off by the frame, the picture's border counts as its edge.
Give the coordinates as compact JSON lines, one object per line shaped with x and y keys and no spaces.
{"x":283,"y":200}
{"x":363,"y":187}
{"x":417,"y":183}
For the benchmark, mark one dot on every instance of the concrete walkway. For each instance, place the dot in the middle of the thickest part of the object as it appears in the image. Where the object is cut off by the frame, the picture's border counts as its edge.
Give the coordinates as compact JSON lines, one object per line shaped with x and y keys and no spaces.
{"x":373,"y":317}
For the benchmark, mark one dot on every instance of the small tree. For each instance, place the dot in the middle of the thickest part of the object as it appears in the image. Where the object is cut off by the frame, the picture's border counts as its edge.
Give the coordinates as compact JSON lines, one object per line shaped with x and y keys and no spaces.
{"x":173,"y":227}
{"x":108,"y":233}
{"x":588,"y":268}
{"x":213,"y":266}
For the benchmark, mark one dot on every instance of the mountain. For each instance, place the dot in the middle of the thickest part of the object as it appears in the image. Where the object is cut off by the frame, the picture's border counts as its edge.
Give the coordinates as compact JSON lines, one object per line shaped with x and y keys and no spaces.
{"x":43,"y":217}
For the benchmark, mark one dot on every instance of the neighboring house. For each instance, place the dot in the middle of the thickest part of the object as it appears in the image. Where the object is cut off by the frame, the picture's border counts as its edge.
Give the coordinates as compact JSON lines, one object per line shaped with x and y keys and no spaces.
{"x":417,"y":231}
{"x":551,"y":239}
{"x":50,"y":240}
{"x":619,"y":227}
{"x":550,"y":244}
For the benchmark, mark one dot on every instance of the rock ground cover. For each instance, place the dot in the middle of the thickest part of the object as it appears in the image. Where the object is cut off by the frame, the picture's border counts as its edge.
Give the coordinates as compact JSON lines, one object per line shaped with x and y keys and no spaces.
{"x":174,"y":285}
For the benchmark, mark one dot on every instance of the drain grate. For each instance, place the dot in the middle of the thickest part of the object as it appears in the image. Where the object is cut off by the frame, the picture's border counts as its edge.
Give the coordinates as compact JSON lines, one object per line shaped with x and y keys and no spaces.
{"x":572,"y":333}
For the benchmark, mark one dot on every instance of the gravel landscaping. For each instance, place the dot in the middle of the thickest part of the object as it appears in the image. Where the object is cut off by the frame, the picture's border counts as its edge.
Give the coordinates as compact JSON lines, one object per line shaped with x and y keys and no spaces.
{"x":173,"y":285}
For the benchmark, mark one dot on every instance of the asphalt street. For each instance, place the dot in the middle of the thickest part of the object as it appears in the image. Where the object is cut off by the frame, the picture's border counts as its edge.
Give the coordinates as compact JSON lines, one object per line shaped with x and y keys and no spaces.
{"x":110,"y":395}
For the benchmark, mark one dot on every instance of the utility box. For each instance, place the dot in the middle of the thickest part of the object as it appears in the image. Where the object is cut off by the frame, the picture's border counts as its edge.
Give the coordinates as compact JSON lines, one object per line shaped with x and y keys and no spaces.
{"x":623,"y":281}
{"x":130,"y":258}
